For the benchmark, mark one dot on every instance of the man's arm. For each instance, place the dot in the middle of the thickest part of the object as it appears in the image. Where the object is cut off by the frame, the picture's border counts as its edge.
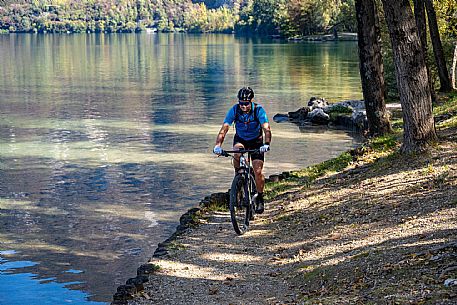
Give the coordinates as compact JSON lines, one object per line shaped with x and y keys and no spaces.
{"x":221,"y":135}
{"x":267,"y":132}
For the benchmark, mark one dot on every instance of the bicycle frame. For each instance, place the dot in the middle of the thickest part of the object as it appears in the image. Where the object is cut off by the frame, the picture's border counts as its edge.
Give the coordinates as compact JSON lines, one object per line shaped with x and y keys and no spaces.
{"x":246,"y":205}
{"x":245,"y":164}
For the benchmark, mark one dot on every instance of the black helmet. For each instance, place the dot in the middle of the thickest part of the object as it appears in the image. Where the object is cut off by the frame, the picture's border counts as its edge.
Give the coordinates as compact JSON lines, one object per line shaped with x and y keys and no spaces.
{"x":245,"y":94}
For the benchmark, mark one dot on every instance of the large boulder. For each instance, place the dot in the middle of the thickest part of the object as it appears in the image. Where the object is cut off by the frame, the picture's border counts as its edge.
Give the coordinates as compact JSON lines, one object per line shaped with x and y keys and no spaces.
{"x":359,"y":118}
{"x":318,"y":116}
{"x":298,"y":115}
{"x":351,"y":105}
{"x":350,"y":114}
{"x":317,"y":103}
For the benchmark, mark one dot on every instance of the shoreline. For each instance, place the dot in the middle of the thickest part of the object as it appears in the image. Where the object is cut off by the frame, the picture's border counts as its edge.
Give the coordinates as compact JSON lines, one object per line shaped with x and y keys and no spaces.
{"x":325,"y":237}
{"x":187,"y":220}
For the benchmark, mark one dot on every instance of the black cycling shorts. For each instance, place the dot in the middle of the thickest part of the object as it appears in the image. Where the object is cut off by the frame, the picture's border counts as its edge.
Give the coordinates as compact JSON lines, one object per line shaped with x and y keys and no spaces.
{"x":251,"y":144}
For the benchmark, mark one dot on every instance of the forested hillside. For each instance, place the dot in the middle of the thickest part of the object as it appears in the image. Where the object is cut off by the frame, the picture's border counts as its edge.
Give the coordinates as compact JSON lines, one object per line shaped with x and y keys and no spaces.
{"x":264,"y":17}
{"x":287,"y":18}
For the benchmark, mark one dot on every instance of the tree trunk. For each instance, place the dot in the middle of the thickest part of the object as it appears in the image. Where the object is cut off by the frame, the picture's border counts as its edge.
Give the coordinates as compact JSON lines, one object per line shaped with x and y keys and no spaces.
{"x":437,"y":47}
{"x":371,"y":67}
{"x":412,"y":80}
{"x":454,"y":64}
{"x":421,"y":23}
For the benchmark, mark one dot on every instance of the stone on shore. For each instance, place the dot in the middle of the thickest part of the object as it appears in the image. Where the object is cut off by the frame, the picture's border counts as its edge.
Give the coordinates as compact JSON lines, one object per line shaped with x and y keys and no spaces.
{"x":350,"y":114}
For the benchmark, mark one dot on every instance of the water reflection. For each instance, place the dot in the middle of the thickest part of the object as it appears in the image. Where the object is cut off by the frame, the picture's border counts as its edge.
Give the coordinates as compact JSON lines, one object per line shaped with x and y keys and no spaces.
{"x":15,"y":279}
{"x":105,"y":141}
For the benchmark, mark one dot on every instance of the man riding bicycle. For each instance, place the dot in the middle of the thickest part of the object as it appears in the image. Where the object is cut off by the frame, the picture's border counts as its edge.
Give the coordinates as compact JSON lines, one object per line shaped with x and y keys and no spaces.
{"x":251,"y":122}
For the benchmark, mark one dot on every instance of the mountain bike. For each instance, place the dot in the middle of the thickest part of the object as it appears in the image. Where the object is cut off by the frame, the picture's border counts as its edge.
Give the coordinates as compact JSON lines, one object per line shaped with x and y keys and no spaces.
{"x":243,"y":192}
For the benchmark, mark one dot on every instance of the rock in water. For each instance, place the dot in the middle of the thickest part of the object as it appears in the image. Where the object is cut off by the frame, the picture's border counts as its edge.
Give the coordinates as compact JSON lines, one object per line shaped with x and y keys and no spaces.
{"x":279,"y":118}
{"x":318,"y":116}
{"x":299,"y":115}
{"x":317,"y":102}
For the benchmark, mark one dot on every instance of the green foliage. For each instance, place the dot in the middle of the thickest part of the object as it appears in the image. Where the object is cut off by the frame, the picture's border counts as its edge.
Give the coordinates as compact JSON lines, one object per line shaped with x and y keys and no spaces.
{"x":446,"y":105}
{"x":446,"y":11}
{"x":307,"y":17}
{"x":446,"y":111}
{"x":92,"y":15}
{"x":261,"y":17}
{"x":200,"y":19}
{"x":295,"y":17}
{"x":374,"y":148}
{"x":258,"y":16}
{"x":155,"y":267}
{"x":304,"y":177}
{"x":338,"y":111}
{"x":287,"y":18}
{"x":273,"y":189}
{"x":332,"y":165}
{"x":383,"y":143}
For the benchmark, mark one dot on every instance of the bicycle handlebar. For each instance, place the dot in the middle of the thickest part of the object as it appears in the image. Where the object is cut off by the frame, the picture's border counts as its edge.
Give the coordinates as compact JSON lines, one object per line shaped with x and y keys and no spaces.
{"x":242,"y":151}
{"x":226,"y":153}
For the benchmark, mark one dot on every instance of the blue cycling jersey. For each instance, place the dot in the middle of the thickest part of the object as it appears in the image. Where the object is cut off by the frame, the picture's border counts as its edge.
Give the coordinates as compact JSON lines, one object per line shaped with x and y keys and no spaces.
{"x":246,"y":125}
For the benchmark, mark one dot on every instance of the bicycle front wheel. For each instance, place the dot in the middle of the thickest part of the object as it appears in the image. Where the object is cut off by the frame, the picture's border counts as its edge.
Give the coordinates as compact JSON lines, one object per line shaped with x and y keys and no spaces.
{"x":240,"y":207}
{"x":253,"y":196}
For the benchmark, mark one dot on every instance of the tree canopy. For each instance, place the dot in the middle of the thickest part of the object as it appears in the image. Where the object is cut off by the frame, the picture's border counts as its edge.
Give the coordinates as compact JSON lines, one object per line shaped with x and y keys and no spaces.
{"x":258,"y":17}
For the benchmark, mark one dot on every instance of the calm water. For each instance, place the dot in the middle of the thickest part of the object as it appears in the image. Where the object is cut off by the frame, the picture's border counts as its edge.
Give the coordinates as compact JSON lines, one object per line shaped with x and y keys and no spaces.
{"x":105,"y":141}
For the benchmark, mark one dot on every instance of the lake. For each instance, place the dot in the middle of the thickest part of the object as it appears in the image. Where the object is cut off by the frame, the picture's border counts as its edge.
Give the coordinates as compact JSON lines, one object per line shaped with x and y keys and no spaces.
{"x":105,"y":140}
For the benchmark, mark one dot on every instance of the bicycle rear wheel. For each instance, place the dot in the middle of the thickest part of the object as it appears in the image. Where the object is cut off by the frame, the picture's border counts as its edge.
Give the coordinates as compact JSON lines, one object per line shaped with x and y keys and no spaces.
{"x":240,"y":207}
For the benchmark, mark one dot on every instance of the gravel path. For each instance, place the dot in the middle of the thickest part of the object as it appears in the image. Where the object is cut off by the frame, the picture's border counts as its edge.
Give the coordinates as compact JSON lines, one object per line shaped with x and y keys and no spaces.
{"x":212,"y":265}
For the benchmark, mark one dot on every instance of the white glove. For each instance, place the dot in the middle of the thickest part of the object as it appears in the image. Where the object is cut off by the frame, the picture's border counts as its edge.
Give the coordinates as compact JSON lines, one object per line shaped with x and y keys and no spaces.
{"x":217,"y":150}
{"x":264,"y":148}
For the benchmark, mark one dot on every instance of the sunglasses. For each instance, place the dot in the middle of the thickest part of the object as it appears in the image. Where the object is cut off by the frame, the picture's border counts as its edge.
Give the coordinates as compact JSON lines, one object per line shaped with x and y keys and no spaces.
{"x":244,"y":103}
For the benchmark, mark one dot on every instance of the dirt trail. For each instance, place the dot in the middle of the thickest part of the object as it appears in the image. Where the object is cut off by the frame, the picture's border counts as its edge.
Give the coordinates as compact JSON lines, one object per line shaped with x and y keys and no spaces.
{"x":376,"y":233}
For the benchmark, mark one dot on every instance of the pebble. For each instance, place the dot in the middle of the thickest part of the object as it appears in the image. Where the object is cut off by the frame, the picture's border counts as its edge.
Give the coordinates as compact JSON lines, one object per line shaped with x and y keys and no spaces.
{"x":450,"y":282}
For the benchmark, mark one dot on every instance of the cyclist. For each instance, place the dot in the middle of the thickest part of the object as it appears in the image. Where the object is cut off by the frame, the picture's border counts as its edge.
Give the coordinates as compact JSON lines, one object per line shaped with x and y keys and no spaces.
{"x":251,"y":122}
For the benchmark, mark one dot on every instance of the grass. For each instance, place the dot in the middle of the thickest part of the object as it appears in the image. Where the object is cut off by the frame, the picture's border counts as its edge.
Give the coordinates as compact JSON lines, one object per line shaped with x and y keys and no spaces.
{"x":155,"y":267}
{"x":339,"y":110}
{"x":450,"y":123}
{"x":175,"y":246}
{"x":216,"y":207}
{"x":374,"y":148}
{"x":380,"y":147}
{"x":384,"y":143}
{"x":447,"y":106}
